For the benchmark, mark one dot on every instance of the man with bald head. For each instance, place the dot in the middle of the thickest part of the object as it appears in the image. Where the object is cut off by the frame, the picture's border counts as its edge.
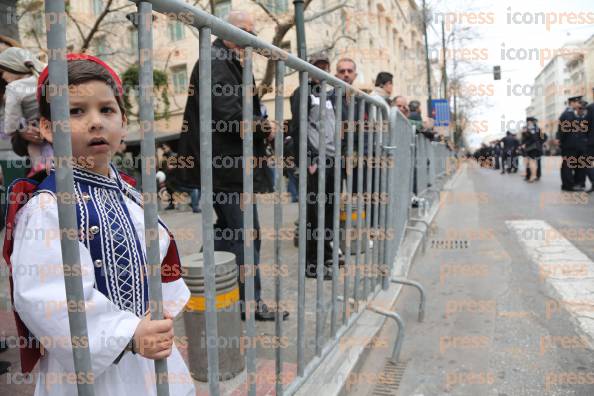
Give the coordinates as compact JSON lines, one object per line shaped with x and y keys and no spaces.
{"x":227,"y":153}
{"x":402,"y":104}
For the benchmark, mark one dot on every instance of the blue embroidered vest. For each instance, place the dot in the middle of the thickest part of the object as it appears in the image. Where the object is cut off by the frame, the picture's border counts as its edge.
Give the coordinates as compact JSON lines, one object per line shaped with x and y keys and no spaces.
{"x":107,"y":230}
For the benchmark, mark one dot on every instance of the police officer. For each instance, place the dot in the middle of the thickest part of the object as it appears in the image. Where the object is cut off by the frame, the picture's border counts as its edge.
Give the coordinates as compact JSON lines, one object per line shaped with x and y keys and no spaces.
{"x":571,"y":134}
{"x":539,"y":139}
{"x":510,"y":146}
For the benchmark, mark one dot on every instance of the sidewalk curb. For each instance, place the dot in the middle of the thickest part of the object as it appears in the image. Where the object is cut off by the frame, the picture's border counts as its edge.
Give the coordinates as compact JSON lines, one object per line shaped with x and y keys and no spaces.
{"x":333,"y":374}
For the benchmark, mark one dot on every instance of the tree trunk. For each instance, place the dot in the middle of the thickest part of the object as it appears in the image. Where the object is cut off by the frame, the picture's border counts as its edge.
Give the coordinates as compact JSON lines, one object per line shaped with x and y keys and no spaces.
{"x":8,"y":22}
{"x":279,"y":35}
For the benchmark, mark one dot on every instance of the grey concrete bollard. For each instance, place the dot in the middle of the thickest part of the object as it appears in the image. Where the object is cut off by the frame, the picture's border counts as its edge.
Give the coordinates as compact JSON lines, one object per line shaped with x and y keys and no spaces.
{"x":231,"y":361}
{"x":353,"y":232}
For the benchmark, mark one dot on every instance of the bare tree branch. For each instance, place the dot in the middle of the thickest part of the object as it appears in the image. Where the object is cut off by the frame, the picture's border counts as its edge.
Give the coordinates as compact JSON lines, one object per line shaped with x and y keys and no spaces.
{"x":326,"y":11}
{"x":267,"y":11}
{"x":121,"y":8}
{"x":76,"y":24}
{"x":87,"y":41}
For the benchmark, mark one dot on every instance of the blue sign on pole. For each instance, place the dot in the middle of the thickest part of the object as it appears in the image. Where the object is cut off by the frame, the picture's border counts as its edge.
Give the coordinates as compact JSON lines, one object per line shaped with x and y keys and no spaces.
{"x":441,"y":112}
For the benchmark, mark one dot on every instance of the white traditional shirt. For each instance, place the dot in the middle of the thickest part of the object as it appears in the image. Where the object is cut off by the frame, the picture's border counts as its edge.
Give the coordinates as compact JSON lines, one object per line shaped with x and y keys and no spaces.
{"x":114,"y":312}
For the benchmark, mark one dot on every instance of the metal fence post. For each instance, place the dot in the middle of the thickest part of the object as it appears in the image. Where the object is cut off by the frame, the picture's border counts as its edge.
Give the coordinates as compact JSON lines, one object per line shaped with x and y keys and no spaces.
{"x":248,"y":216}
{"x":278,"y":216}
{"x":321,"y":229}
{"x":205,"y":106}
{"x":149,"y":179}
{"x":359,"y":200}
{"x":303,"y":97}
{"x":336,"y":208}
{"x":367,"y":198}
{"x":349,"y":205}
{"x":60,"y":113}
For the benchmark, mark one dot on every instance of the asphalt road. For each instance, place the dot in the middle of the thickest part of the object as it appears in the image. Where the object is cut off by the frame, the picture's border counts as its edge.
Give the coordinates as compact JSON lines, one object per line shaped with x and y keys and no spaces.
{"x":492,"y":326}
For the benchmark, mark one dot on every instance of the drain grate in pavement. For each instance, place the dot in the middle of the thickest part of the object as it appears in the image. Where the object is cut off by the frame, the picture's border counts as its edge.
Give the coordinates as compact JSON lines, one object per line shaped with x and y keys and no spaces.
{"x":390,"y":378}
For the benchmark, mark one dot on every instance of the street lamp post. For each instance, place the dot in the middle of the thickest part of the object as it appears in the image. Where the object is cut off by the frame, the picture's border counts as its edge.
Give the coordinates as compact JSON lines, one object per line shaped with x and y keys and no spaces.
{"x":428,"y":66}
{"x":300,"y":28}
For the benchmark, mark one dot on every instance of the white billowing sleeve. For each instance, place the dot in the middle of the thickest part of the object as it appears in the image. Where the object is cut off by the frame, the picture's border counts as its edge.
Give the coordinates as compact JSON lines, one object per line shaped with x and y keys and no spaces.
{"x":12,"y":109}
{"x":175,"y":296}
{"x":39,"y":291}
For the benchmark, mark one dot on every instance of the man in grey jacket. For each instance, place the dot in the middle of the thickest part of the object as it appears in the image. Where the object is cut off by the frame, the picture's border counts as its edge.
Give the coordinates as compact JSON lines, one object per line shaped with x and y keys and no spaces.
{"x":314,"y":135}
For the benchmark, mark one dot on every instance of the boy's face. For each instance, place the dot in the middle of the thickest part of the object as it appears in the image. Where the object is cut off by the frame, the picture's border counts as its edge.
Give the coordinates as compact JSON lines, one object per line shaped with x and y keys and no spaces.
{"x":97,"y":125}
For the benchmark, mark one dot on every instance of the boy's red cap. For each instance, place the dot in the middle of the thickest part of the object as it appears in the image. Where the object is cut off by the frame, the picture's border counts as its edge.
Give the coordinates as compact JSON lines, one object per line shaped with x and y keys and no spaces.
{"x":72,"y":57}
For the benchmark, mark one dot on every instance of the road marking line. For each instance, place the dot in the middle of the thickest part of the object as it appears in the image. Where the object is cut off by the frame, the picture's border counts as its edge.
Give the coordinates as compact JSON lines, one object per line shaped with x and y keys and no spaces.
{"x":566,"y":271}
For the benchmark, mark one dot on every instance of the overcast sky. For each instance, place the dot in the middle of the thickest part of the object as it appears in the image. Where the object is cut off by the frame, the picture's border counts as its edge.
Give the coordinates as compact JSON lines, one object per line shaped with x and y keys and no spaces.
{"x":516,"y":39}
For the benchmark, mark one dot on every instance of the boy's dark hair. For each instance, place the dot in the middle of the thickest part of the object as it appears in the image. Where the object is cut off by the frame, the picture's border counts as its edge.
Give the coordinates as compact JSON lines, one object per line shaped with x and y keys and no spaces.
{"x":79,"y":72}
{"x":383,"y":78}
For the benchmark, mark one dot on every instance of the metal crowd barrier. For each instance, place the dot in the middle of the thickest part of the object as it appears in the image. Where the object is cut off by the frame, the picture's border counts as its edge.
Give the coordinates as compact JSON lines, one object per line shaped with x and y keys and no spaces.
{"x":391,"y":145}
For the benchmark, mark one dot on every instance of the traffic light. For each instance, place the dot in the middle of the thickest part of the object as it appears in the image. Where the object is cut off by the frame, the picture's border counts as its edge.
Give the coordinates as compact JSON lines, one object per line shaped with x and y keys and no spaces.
{"x":497,"y":72}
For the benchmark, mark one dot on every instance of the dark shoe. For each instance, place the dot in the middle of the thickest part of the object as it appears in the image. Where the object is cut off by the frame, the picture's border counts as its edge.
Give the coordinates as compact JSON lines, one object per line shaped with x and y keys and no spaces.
{"x":311,"y":271}
{"x":263,"y":314}
{"x":197,"y":210}
{"x":4,"y":367}
{"x":591,"y":190}
{"x":171,"y":206}
{"x":572,"y":189}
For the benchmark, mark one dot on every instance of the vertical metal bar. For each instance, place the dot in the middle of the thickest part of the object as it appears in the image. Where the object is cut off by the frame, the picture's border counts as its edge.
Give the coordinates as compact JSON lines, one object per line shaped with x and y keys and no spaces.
{"x":368,"y":169}
{"x":349,"y":206}
{"x":321,"y":229}
{"x":303,"y":95}
{"x":359,"y":195}
{"x":378,"y":195}
{"x":336,"y":207}
{"x":248,"y":216}
{"x":385,"y":202}
{"x":278,"y":216}
{"x":149,"y":180}
{"x":60,"y":113}
{"x":205,"y":106}
{"x":391,"y":188}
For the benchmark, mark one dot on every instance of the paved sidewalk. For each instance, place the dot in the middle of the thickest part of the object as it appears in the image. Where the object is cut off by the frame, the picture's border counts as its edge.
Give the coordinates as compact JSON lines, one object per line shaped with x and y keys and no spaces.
{"x":187,"y":228}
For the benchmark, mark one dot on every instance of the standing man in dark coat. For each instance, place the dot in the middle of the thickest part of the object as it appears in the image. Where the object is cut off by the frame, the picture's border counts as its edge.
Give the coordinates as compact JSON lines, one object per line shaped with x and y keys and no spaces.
{"x":571,"y":134}
{"x":227,"y":152}
{"x":510,"y":147}
{"x":539,"y":139}
{"x":315,"y":134}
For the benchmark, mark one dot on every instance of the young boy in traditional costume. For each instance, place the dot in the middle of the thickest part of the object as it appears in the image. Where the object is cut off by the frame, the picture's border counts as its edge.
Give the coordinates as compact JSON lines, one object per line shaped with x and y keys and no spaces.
{"x":123,"y":341}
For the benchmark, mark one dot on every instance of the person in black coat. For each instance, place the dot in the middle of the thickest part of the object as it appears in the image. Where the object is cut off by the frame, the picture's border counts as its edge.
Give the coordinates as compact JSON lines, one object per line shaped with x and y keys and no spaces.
{"x":532,"y":147}
{"x":538,"y":139}
{"x":508,"y":152}
{"x":227,"y":152}
{"x":572,"y":134}
{"x":315,"y":134}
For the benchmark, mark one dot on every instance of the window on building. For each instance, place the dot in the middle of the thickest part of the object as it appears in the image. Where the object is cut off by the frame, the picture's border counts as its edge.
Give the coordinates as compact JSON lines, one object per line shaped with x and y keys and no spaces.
{"x":179,"y":75}
{"x":101,"y":46}
{"x":97,"y":6}
{"x":222,"y":8}
{"x":278,"y":6}
{"x":38,"y":23}
{"x":133,"y":38}
{"x":176,"y":30}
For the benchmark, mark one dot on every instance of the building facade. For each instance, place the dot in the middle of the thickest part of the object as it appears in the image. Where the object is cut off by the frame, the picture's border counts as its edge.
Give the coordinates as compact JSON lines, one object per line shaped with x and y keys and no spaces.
{"x":563,"y":76}
{"x":379,"y":35}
